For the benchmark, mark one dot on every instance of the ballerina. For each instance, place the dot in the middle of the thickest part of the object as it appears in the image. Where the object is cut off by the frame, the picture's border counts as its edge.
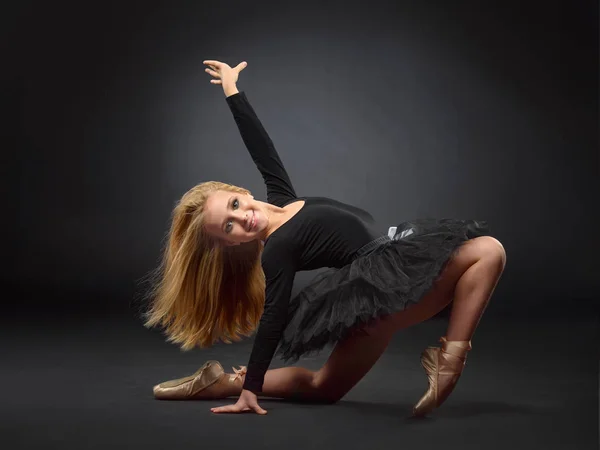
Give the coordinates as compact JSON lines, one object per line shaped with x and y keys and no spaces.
{"x":230,"y":262}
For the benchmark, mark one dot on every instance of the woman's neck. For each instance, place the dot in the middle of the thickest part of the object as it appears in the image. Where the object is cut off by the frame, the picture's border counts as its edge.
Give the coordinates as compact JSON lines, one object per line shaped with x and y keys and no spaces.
{"x":279,"y":216}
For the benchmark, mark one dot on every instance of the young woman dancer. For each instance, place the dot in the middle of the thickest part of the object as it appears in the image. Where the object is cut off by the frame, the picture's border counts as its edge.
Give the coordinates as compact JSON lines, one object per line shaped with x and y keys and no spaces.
{"x":230,"y":262}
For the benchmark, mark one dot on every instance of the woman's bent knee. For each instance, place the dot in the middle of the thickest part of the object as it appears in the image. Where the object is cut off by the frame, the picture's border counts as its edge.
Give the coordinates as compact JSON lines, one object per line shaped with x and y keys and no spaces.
{"x":483,"y":247}
{"x":323,"y":391}
{"x":492,"y":248}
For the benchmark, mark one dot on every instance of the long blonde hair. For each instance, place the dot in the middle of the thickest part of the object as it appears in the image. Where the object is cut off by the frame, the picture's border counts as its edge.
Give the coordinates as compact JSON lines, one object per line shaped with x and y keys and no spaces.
{"x":203,"y":291}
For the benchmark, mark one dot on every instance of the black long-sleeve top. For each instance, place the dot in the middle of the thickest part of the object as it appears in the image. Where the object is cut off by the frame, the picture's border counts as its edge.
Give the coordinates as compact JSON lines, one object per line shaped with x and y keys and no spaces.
{"x":324,"y":233}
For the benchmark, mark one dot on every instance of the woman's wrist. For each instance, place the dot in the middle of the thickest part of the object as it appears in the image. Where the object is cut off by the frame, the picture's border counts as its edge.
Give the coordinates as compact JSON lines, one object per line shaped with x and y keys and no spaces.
{"x":230,"y":89}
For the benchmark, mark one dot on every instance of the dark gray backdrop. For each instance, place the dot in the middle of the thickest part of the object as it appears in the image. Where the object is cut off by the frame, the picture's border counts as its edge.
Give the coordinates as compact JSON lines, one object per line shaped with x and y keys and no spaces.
{"x":451,"y":109}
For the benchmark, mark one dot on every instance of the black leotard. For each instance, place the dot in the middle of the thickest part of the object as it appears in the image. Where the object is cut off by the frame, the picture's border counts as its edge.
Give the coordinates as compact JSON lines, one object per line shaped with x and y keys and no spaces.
{"x":324,"y":233}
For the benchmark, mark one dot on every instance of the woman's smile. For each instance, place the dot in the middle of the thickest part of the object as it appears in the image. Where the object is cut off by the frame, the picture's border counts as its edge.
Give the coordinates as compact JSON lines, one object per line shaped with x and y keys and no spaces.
{"x":252,"y":221}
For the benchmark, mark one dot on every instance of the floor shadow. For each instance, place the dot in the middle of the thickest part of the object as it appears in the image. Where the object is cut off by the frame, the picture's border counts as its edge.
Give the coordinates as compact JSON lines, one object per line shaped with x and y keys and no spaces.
{"x":479,"y":408}
{"x":456,"y":410}
{"x":386,"y":409}
{"x":460,"y":410}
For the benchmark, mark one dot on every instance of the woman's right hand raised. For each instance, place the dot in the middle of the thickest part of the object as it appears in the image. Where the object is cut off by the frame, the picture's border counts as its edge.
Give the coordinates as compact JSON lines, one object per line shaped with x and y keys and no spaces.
{"x":223,"y":73}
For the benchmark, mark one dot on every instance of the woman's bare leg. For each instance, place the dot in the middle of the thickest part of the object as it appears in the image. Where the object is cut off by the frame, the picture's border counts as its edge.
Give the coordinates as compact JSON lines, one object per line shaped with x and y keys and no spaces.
{"x":469,"y":277}
{"x":475,"y":288}
{"x":350,"y":360}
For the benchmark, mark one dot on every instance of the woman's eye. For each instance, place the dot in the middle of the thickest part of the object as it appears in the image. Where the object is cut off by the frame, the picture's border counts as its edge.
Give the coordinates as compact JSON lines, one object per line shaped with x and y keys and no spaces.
{"x":228,"y":226}
{"x":235,"y":204}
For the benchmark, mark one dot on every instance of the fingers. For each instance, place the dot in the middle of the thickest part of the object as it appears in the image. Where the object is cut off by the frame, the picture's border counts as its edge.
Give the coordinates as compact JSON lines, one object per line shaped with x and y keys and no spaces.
{"x":217,"y":65}
{"x":218,"y":69}
{"x":258,"y":410}
{"x":210,"y":62}
{"x":227,"y":409}
{"x":241,"y":66}
{"x":256,"y":407}
{"x":213,"y":73}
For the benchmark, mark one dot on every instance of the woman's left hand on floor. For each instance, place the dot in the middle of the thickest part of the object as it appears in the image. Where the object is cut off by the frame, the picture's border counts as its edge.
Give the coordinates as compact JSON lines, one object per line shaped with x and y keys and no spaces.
{"x":247,"y":402}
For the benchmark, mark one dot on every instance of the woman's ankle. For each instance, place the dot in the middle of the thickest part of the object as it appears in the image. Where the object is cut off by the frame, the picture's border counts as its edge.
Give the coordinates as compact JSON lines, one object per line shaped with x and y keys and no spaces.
{"x":235,"y":383}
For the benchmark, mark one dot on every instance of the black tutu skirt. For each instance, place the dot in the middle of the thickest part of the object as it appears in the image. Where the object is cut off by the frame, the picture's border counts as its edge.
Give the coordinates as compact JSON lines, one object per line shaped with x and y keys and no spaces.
{"x":387,"y":275}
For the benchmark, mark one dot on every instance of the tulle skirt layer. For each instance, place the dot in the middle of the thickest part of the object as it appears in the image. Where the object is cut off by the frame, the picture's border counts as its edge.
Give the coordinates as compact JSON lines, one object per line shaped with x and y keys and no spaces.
{"x":387,"y":276}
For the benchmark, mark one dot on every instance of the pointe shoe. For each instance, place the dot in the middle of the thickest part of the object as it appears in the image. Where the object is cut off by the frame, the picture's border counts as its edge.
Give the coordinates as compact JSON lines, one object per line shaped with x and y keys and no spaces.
{"x":443,"y":367}
{"x":208,"y":382}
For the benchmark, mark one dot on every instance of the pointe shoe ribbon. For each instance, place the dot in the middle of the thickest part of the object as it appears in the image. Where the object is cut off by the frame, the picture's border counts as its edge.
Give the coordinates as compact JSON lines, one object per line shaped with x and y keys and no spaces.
{"x":443,"y":367}
{"x":238,"y":373}
{"x":188,"y":387}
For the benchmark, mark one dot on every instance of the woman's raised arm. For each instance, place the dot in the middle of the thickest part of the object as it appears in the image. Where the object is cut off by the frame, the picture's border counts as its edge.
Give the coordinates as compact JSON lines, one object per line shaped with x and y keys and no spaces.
{"x":260,"y":146}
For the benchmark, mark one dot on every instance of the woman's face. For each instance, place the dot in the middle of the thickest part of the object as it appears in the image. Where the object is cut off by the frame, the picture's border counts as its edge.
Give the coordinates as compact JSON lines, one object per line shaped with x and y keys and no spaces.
{"x":234,"y":217}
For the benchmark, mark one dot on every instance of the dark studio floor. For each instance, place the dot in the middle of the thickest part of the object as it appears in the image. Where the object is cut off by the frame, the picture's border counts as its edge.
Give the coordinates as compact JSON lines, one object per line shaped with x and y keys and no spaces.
{"x":87,"y":384}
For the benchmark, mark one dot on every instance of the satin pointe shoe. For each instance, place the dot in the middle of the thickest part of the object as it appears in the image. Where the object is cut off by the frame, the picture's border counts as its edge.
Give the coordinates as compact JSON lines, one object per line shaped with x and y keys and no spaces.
{"x":208,"y":382}
{"x":443,"y":367}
